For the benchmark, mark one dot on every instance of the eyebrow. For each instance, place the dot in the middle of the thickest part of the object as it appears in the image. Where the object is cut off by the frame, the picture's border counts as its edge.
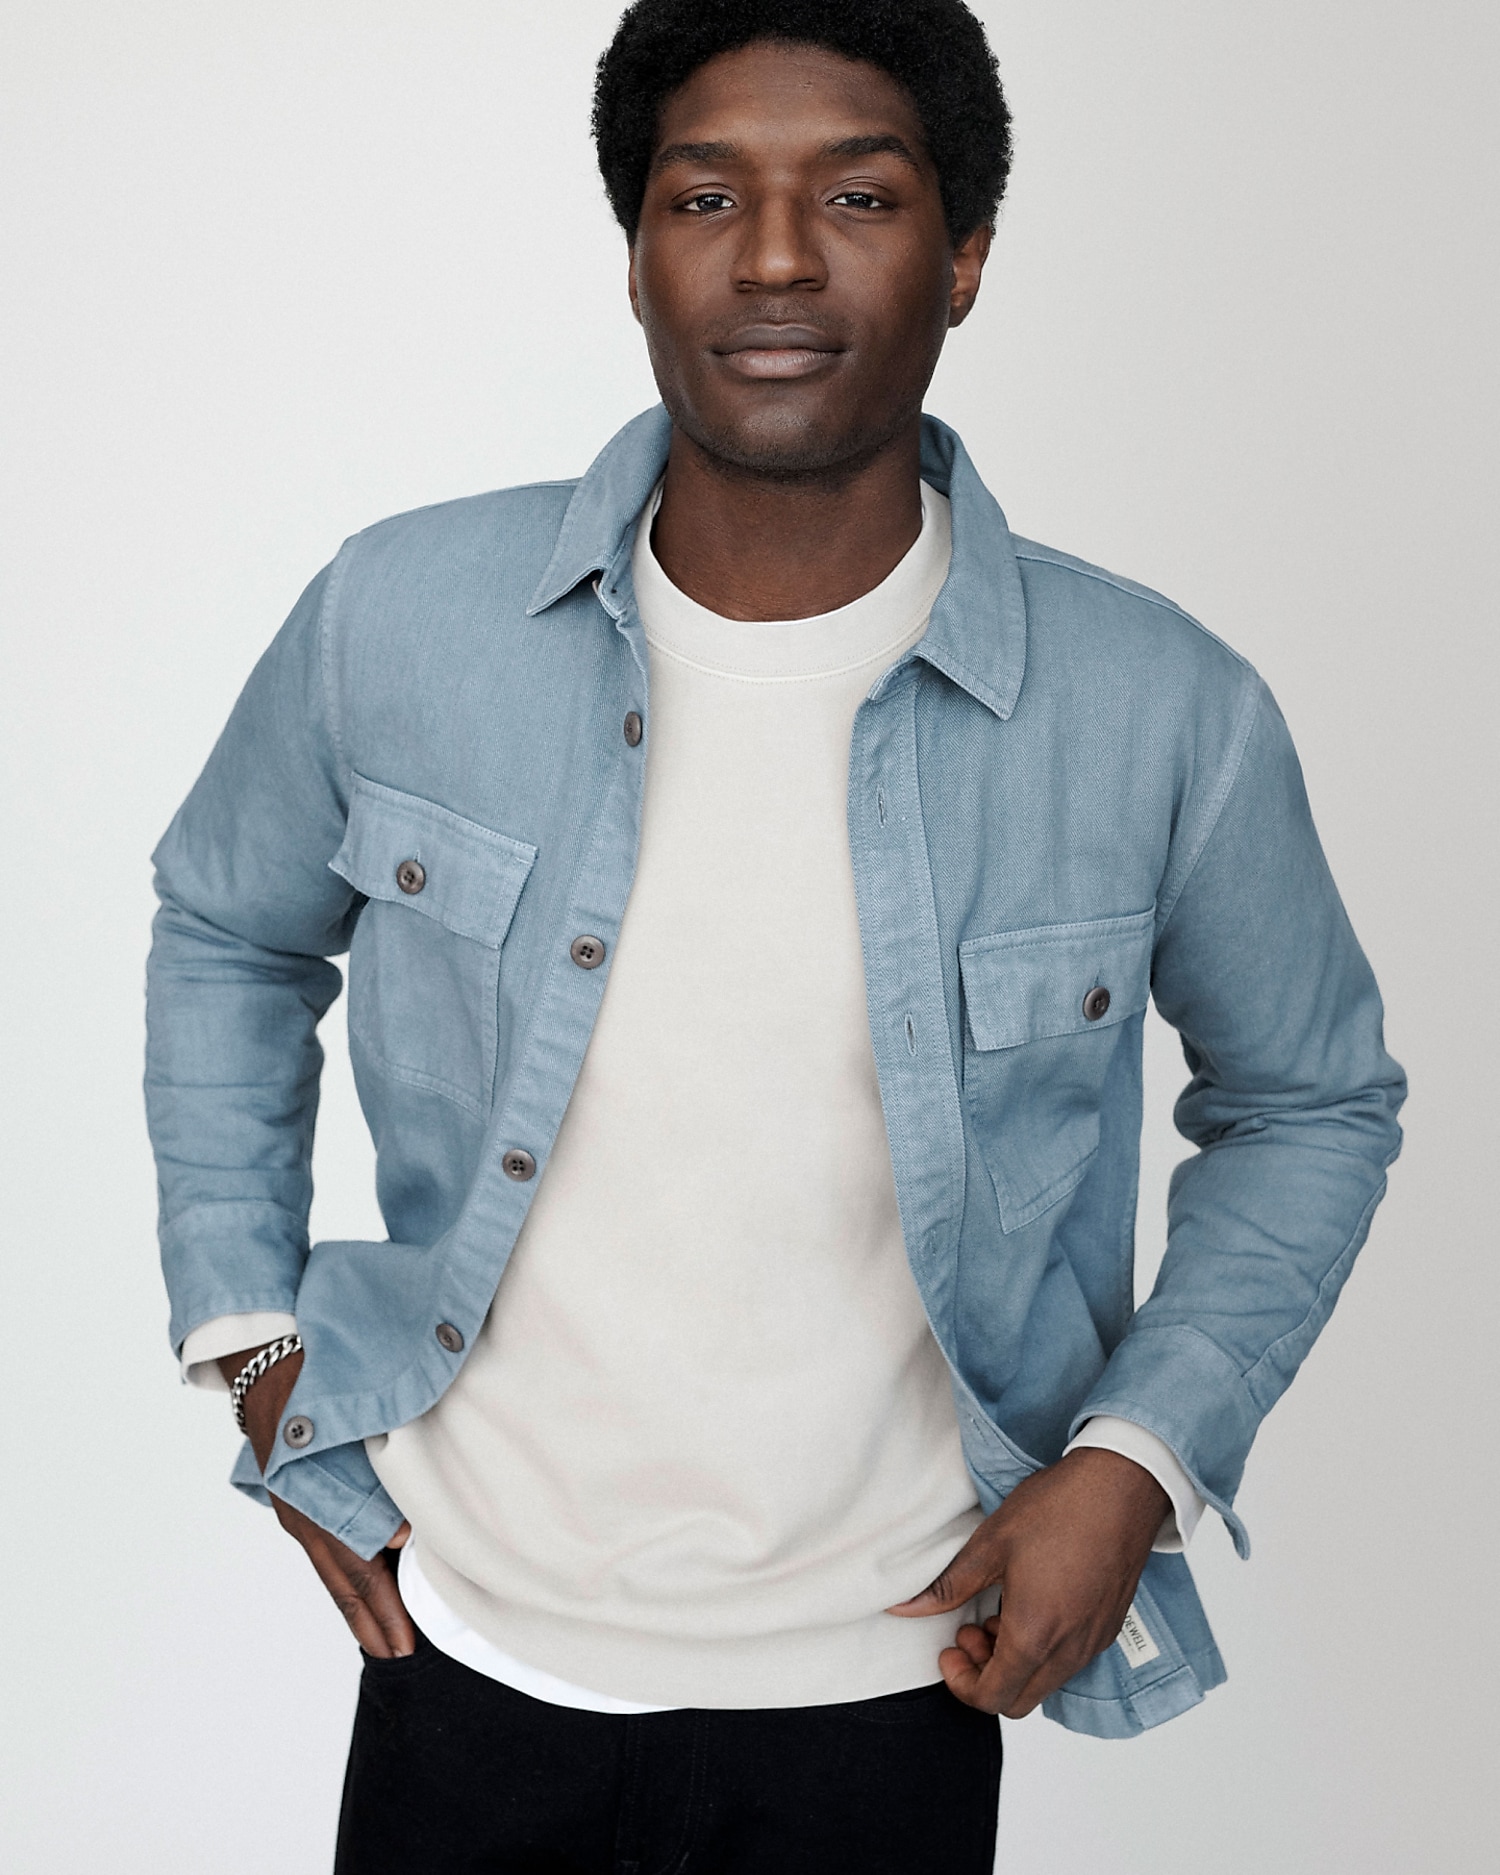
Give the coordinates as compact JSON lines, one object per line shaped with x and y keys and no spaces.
{"x":884,"y":144}
{"x":694,"y":153}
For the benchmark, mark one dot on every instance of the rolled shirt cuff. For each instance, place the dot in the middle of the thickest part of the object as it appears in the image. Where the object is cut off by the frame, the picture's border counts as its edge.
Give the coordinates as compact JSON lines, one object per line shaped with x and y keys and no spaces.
{"x":1106,"y":1433}
{"x":227,"y":1334}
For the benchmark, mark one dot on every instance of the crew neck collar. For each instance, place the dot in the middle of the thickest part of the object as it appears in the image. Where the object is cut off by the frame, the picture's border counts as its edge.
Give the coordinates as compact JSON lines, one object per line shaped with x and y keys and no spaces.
{"x":876,"y":625}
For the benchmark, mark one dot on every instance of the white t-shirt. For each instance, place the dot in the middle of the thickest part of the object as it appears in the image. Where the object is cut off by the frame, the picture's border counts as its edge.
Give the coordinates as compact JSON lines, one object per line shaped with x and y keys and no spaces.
{"x":705,"y":1437}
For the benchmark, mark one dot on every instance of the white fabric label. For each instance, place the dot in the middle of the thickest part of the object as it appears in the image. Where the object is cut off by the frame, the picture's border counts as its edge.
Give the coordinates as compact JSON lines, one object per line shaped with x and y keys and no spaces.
{"x":1135,"y":1643}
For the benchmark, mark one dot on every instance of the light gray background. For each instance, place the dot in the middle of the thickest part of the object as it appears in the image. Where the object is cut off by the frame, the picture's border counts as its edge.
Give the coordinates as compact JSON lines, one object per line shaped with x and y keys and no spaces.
{"x":274,"y":270}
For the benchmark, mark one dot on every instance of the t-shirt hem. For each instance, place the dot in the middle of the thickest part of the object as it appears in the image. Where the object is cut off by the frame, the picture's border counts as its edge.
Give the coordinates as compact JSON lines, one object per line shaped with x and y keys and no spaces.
{"x":864,"y":1659}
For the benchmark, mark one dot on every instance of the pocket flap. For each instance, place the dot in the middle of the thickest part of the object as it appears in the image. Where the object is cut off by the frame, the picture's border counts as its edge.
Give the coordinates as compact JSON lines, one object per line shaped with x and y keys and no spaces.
{"x":466,"y":876}
{"x":1024,"y":986}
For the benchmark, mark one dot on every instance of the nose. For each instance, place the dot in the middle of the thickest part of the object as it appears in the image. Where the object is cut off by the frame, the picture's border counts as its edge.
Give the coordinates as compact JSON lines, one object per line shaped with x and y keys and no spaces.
{"x":780,"y":252}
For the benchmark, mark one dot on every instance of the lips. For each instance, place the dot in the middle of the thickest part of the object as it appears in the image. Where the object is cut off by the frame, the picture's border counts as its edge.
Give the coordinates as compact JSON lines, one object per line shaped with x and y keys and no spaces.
{"x":777,"y":351}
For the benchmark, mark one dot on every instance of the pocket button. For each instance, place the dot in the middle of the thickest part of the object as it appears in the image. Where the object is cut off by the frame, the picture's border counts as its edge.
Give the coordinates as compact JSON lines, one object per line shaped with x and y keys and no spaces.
{"x":1096,"y":1003}
{"x":411,"y":877}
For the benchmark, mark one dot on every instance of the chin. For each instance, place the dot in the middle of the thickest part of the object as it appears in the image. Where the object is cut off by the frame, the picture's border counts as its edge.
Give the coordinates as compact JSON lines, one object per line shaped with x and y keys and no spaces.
{"x":785,"y":445}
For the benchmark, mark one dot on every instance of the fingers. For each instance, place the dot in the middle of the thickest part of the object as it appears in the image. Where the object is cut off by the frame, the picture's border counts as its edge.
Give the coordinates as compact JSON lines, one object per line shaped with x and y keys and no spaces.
{"x":364,"y":1592}
{"x":375,"y":1585}
{"x":1011,"y":1665}
{"x":976,"y":1567}
{"x":999,"y":1680}
{"x":350,"y":1590}
{"x":963,"y":1676}
{"x":1068,"y":1544}
{"x":975,"y":1644}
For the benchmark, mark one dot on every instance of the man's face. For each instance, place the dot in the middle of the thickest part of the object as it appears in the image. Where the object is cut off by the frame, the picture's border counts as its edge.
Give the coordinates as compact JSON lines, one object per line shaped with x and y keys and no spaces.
{"x":792,"y":270}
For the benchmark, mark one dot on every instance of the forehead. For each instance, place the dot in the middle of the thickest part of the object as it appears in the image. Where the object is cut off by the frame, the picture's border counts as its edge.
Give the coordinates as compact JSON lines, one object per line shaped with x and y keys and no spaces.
{"x":772,"y":94}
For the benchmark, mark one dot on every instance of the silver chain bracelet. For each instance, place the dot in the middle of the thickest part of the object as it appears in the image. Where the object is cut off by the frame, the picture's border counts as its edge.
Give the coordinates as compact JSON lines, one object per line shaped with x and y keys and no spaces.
{"x":256,"y":1368}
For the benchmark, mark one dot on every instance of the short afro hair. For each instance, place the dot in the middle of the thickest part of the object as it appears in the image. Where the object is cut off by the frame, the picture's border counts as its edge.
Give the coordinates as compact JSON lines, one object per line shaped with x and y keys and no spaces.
{"x":935,"y":49}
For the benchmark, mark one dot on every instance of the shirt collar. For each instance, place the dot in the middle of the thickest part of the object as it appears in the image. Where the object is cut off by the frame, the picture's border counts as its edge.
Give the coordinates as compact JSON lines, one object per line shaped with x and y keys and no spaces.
{"x":977,"y":632}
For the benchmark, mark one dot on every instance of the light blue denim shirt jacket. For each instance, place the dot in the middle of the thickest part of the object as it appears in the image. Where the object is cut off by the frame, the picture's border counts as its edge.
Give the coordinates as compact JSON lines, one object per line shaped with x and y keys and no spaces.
{"x":1066,"y":787}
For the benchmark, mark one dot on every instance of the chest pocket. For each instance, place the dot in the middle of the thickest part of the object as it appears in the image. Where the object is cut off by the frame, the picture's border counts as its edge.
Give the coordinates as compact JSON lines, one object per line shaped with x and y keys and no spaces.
{"x":1044,"y":1010}
{"x":424,"y":964}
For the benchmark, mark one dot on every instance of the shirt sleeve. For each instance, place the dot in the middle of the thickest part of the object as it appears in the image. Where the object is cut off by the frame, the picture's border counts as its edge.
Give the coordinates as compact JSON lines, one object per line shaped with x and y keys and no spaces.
{"x":1291,"y":1109}
{"x":237,"y":982}
{"x":1108,"y":1434}
{"x":226,"y":1334}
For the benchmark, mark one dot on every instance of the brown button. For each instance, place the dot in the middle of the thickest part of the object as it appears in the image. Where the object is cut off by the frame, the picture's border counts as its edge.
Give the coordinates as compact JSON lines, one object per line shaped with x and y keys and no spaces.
{"x":587,"y":952}
{"x":410,"y":876}
{"x":519,"y":1165}
{"x":1096,"y":1003}
{"x":634,"y":727}
{"x":298,"y":1431}
{"x":449,"y":1339}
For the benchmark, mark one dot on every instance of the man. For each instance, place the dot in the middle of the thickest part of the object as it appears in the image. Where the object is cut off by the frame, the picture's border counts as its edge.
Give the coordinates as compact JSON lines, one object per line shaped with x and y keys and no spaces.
{"x":754,"y":864}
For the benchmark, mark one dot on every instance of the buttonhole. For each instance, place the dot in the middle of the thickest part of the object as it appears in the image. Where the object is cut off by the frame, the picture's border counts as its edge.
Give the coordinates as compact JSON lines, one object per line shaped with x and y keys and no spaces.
{"x":880,"y":804}
{"x":911,"y":1036}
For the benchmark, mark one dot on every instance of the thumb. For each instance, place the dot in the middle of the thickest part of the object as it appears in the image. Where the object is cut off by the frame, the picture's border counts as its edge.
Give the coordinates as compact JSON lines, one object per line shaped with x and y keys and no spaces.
{"x":977,"y":1566}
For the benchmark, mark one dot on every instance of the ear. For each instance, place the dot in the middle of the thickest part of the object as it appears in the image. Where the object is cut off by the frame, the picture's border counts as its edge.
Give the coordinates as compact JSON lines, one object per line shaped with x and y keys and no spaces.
{"x":968,"y":264}
{"x":630,"y":286}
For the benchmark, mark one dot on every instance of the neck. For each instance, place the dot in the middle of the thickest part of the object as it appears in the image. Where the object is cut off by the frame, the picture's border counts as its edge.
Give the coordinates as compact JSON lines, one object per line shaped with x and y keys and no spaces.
{"x":750,"y":547}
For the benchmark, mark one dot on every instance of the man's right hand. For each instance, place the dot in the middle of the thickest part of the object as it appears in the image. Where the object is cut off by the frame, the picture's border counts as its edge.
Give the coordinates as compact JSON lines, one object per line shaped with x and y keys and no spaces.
{"x":365,"y":1593}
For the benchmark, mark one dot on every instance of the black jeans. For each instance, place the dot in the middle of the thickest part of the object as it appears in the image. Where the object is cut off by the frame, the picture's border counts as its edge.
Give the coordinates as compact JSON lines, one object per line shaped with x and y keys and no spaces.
{"x":451,"y":1773}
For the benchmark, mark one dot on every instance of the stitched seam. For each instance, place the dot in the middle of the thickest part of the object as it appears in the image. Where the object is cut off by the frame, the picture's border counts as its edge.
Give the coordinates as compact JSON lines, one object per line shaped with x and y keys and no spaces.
{"x":1083,"y":1027}
{"x":904,"y":643}
{"x":327,"y":610}
{"x":170,"y":1219}
{"x":521,"y":1051}
{"x":444,"y":818}
{"x":1129,"y":924}
{"x":416,"y":1077}
{"x":1045,"y":556}
{"x":343,"y":1490}
{"x":1229,"y":774}
{"x":1124,"y":1699}
{"x":1333,"y":1279}
{"x":1049,"y":1195}
{"x":943,"y":658}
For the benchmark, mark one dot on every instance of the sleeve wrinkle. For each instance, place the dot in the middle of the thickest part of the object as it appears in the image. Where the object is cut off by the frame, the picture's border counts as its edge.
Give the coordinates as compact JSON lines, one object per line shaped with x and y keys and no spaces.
{"x":1327,"y":1291}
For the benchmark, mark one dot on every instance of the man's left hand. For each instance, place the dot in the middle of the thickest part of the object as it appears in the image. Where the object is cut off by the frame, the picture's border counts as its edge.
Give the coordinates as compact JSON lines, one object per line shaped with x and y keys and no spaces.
{"x":1067,"y":1548}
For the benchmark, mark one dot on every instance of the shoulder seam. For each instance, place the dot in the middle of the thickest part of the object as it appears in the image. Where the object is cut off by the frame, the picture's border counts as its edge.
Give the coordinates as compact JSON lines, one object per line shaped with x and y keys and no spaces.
{"x":1048,"y":556}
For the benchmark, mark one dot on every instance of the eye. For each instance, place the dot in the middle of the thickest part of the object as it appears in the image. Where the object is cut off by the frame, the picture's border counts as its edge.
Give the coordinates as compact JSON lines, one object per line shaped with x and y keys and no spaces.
{"x":706,"y":202}
{"x":860,"y":198}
